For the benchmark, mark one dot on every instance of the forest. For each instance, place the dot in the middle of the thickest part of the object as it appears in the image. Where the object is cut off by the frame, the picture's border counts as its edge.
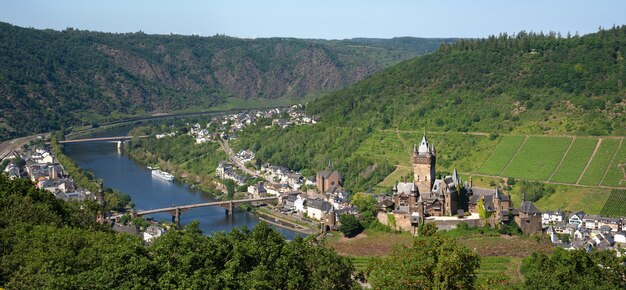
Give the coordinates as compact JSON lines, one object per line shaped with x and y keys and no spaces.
{"x":55,"y":79}
{"x":529,"y":83}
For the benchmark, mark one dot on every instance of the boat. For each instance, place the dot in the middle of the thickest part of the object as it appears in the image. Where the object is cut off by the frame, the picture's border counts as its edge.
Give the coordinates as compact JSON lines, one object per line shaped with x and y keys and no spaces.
{"x":163,"y":175}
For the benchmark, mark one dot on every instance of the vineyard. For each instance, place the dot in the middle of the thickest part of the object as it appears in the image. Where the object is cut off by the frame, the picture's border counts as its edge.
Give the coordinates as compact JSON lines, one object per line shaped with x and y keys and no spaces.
{"x":615,"y":206}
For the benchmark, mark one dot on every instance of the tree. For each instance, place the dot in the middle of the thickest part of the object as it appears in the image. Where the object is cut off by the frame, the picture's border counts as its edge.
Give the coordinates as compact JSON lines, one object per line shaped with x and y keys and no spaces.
{"x":432,"y":262}
{"x":367,"y":207}
{"x":574,"y":270}
{"x":350,"y":225}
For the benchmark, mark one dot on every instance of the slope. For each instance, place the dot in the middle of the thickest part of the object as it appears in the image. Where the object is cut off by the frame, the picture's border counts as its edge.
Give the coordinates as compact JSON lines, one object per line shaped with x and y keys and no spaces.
{"x":51,"y":79}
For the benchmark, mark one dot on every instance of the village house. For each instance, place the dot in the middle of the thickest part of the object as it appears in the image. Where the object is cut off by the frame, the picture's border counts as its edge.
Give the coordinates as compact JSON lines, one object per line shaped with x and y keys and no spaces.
{"x":576,"y":219}
{"x":317,"y":208}
{"x":151,"y":233}
{"x":552,"y":217}
{"x":591,"y":222}
{"x":528,"y":217}
{"x":257,"y":190}
{"x":225,"y":170}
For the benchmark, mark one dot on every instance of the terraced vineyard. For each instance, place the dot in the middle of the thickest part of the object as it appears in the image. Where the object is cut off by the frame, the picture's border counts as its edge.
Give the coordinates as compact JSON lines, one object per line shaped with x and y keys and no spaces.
{"x":538,"y":158}
{"x":600,"y":162}
{"x":574,"y":162}
{"x":616,"y":175}
{"x":570,"y":160}
{"x":502,"y":155}
{"x":615,"y":206}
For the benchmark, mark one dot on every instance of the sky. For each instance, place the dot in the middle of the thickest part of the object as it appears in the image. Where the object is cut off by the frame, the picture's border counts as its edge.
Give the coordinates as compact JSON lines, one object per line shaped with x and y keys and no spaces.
{"x":338,"y":19}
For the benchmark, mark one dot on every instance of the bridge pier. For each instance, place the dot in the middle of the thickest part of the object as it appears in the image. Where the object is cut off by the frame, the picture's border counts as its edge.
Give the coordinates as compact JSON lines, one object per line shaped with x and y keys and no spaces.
{"x":176,"y":217}
{"x":229,"y":208}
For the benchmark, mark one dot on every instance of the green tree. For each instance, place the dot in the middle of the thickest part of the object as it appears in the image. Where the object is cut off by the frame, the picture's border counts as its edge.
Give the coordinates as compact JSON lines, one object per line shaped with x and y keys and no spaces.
{"x":350,"y":225}
{"x":432,"y":262}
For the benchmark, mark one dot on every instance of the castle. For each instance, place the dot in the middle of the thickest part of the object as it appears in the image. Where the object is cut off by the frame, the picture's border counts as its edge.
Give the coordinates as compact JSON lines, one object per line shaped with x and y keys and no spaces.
{"x":426,"y":195}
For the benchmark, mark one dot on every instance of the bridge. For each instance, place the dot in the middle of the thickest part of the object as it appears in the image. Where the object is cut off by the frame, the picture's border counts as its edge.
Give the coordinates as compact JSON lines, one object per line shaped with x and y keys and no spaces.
{"x":176,"y":211}
{"x":101,"y":139}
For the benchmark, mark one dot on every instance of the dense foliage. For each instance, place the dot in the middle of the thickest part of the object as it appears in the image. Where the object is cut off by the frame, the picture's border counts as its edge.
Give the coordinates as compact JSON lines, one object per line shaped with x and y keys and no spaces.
{"x":308,"y":149}
{"x":574,"y":270}
{"x":47,"y":243}
{"x":433,"y":261}
{"x":51,"y":79}
{"x":350,"y":226}
{"x":526,"y":83}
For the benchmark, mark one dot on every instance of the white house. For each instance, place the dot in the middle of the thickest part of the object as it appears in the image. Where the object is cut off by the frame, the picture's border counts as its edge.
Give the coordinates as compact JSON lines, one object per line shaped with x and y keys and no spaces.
{"x":591,"y":221}
{"x":317,"y":208}
{"x":577,"y":219}
{"x":550,"y":217}
{"x":151,"y":233}
{"x":299,"y":204}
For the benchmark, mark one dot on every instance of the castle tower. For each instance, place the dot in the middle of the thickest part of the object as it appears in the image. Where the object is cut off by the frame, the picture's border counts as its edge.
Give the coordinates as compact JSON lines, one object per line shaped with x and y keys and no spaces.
{"x":424,"y":166}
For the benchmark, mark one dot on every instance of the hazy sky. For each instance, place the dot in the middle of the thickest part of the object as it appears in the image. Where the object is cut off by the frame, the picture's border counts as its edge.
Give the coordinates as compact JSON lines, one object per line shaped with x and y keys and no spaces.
{"x":318,"y":18}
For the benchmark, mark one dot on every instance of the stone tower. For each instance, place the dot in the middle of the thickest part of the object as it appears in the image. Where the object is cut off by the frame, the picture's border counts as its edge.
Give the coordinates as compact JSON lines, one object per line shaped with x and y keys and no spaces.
{"x":424,"y":165}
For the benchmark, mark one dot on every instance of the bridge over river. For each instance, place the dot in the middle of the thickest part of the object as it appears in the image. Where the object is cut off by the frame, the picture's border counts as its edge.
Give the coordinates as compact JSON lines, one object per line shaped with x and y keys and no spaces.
{"x":101,"y":139}
{"x":176,"y":211}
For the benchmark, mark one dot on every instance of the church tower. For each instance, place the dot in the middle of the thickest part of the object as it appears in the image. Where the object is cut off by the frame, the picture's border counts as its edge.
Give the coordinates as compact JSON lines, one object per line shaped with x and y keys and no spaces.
{"x":424,"y":165}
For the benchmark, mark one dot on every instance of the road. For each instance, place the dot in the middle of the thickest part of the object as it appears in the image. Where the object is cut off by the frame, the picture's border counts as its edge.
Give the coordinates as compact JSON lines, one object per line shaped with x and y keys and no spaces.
{"x":234,"y":160}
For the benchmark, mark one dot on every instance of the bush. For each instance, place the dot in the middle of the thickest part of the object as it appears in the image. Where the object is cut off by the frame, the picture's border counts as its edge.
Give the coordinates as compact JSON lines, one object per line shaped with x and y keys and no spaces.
{"x":350,"y":225}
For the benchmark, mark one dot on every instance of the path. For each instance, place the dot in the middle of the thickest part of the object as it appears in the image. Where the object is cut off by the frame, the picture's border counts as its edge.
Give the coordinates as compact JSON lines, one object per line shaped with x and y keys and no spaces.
{"x":562,"y":158}
{"x":612,"y":160}
{"x":510,"y":160}
{"x":589,"y":161}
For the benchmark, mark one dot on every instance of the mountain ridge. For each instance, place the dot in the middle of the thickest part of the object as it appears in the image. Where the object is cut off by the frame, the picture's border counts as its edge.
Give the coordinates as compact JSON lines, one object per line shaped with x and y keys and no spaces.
{"x":53,"y":79}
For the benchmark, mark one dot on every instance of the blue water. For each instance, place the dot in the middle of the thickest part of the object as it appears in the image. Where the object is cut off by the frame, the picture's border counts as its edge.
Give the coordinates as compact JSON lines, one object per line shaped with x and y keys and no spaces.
{"x":148,"y":192}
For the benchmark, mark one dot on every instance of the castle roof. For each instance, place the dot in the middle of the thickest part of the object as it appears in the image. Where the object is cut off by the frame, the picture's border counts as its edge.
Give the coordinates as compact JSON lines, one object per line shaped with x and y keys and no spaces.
{"x":423,"y":148}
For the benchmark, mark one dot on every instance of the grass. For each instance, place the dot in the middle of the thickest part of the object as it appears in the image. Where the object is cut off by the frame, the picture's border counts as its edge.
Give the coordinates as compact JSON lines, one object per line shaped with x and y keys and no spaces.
{"x":502,"y":154}
{"x":538,"y":158}
{"x":615,"y":205}
{"x":575,"y":160}
{"x":600,"y":162}
{"x":573,"y":198}
{"x":615,"y":174}
{"x":395,"y":176}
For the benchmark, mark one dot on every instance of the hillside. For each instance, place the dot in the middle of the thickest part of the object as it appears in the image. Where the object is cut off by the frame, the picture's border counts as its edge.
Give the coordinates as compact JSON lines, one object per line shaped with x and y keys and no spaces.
{"x":51,"y":79}
{"x":528,"y":83}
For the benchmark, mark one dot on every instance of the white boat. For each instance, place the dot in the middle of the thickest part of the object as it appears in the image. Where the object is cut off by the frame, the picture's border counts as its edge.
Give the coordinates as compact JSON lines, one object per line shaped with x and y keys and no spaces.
{"x":162,"y":174}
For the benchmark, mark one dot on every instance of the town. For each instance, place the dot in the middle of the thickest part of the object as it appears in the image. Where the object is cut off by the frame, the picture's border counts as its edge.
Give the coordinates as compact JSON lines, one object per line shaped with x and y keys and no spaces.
{"x":320,"y":200}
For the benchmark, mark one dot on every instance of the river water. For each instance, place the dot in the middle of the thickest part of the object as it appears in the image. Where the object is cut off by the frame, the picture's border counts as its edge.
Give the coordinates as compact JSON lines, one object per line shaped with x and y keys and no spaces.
{"x":147,"y":192}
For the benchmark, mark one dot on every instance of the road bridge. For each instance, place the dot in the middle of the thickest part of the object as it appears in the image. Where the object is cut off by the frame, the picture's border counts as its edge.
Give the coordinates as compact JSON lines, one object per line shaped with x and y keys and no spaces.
{"x":176,"y":211}
{"x":101,"y":139}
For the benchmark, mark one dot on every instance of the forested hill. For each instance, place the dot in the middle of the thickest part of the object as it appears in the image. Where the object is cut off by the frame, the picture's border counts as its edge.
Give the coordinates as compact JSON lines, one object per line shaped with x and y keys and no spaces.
{"x":50,"y":79}
{"x":531,"y":83}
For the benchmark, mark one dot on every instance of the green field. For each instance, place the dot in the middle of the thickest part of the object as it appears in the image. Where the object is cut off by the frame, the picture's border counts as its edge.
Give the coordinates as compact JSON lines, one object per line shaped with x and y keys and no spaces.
{"x":615,"y":206}
{"x":600,"y":162}
{"x":572,"y":166}
{"x":502,"y":154}
{"x":573,"y":198}
{"x":615,"y":174}
{"x":537,"y":158}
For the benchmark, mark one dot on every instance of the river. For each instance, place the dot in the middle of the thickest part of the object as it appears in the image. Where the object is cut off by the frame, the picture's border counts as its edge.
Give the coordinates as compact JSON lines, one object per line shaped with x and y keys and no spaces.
{"x":120,"y":172}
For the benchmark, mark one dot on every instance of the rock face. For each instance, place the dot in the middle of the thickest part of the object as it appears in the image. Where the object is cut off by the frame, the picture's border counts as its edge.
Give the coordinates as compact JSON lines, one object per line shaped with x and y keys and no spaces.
{"x":72,"y":75}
